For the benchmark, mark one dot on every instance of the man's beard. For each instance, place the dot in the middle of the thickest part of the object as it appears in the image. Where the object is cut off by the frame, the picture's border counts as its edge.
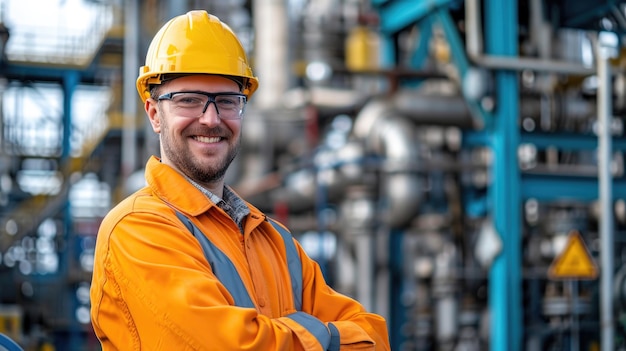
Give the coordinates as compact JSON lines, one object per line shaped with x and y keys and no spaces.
{"x":187,"y":163}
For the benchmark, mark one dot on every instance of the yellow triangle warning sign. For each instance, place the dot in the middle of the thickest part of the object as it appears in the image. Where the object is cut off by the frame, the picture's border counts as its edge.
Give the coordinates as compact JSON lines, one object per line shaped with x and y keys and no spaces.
{"x":574,"y":262}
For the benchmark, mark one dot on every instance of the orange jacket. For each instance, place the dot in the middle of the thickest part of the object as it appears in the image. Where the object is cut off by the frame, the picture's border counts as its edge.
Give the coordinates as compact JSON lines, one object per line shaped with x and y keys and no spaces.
{"x":152,"y":288}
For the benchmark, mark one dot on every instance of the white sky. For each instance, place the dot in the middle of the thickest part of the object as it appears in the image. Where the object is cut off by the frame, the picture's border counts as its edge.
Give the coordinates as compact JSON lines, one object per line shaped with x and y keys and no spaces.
{"x":53,"y":30}
{"x":47,"y":13}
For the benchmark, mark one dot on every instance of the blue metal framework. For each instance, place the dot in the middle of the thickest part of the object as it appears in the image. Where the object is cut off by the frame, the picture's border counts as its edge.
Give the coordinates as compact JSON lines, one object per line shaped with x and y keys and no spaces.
{"x":71,"y":336}
{"x":498,"y":130}
{"x":500,"y":133}
{"x":71,"y":339}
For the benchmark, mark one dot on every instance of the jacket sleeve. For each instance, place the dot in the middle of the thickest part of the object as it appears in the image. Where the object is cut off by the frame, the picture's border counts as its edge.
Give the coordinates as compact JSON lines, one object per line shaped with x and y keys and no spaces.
{"x":346,"y":318}
{"x":152,"y":289}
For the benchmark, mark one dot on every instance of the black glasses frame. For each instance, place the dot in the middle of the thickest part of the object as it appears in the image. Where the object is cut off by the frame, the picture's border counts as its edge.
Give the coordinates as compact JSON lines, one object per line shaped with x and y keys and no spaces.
{"x":210,"y":96}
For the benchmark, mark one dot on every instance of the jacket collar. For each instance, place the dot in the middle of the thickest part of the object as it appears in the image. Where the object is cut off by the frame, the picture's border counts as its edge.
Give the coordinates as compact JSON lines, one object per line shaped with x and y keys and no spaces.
{"x":173,"y":188}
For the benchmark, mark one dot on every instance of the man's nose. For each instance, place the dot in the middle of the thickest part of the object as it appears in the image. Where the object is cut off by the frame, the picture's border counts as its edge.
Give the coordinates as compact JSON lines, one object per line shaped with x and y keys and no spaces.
{"x":211,"y":114}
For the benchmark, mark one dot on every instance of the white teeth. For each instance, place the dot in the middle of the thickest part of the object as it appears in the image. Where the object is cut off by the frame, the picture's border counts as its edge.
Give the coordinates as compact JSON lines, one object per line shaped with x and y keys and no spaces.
{"x":207,"y":139}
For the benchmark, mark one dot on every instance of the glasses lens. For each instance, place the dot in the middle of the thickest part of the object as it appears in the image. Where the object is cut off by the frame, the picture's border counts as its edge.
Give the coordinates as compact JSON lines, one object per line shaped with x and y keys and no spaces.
{"x":188,"y":104}
{"x":229,"y":106}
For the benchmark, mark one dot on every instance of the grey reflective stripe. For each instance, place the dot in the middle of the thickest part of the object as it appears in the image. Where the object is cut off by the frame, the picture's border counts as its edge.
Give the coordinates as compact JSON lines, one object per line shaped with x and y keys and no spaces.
{"x":314,"y":326}
{"x":225,"y":270}
{"x":335,"y":339}
{"x":222,"y":266}
{"x":294,"y":264}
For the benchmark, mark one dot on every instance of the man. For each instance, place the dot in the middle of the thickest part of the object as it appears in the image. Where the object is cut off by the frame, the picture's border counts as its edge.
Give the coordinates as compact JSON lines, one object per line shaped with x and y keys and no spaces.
{"x":184,"y":263}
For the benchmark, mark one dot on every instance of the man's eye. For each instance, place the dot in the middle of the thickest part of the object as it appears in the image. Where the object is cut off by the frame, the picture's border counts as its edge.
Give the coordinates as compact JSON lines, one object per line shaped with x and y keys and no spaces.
{"x":188,"y":100}
{"x":225,"y":101}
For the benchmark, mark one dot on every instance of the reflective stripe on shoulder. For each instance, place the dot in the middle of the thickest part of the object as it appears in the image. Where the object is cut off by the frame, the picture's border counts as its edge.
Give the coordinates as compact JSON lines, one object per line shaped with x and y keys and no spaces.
{"x":294,"y":264}
{"x":222,"y":266}
{"x":225,"y":270}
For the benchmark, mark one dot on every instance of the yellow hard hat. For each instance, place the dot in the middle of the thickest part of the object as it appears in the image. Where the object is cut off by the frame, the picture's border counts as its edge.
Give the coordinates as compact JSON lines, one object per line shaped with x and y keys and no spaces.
{"x":195,"y":43}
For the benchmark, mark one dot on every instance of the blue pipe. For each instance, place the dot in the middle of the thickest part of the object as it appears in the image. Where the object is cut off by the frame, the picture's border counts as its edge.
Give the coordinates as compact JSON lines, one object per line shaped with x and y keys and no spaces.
{"x":505,"y":275}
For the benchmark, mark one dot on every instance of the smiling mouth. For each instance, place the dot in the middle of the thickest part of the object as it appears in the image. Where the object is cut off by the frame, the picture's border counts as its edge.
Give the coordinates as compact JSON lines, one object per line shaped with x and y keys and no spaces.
{"x":208,"y":140}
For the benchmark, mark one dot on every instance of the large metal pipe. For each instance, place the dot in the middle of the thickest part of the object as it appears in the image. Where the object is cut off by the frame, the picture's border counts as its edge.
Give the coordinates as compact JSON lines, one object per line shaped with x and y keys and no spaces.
{"x":377,"y":130}
{"x":358,"y":213}
{"x":607,"y":48}
{"x":393,"y":138}
{"x":261,"y":139}
{"x":333,"y":170}
{"x":443,"y":110}
{"x":271,"y":56}
{"x":452,"y":110}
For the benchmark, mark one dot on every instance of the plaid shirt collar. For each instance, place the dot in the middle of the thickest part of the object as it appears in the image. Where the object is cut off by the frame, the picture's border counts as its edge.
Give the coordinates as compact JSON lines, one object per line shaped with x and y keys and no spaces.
{"x":232,"y":204}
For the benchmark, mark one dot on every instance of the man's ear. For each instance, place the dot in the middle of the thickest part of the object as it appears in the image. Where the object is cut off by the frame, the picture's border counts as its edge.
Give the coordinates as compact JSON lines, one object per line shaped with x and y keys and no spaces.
{"x":152,"y":110}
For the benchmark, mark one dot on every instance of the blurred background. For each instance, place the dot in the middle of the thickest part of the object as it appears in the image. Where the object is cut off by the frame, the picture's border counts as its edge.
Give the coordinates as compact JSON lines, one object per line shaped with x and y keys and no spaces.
{"x":457,"y":166}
